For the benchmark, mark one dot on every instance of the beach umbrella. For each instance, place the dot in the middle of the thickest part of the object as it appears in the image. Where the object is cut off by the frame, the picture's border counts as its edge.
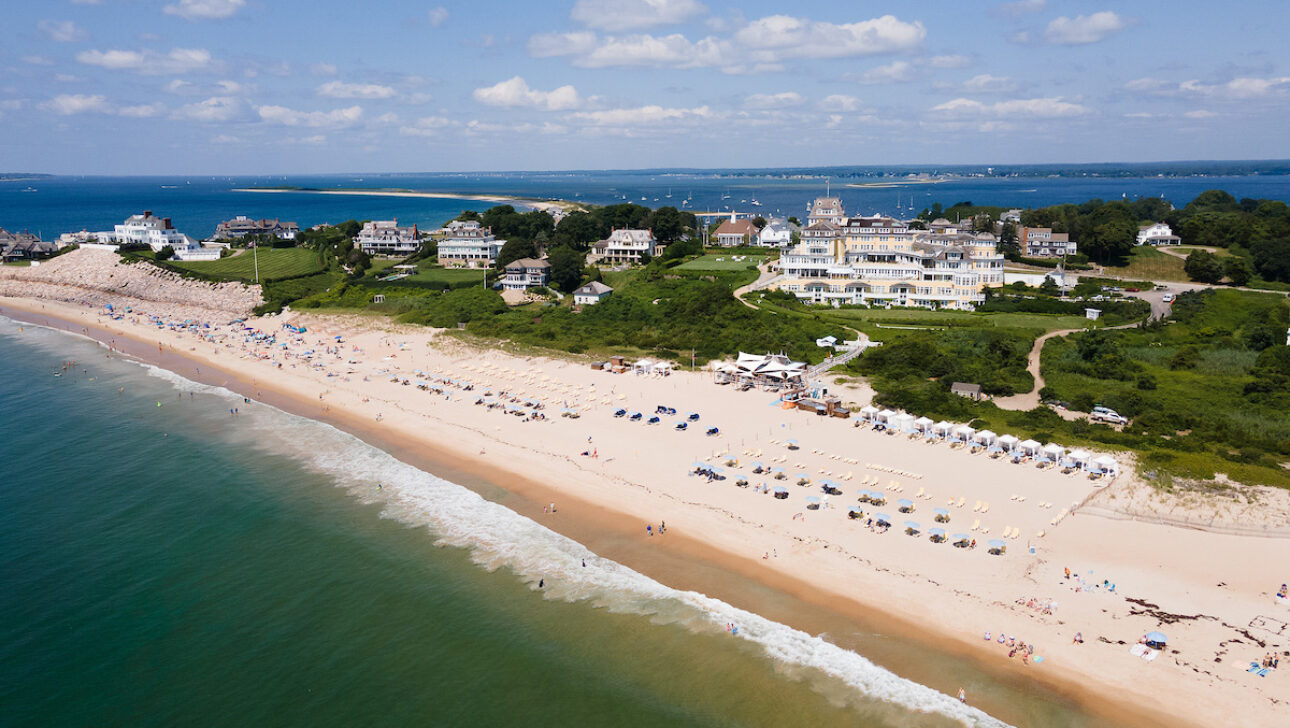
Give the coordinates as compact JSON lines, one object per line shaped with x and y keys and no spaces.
{"x":755,"y":465}
{"x":913,"y":526}
{"x":803,"y":476}
{"x":814,"y":500}
{"x":905,"y":503}
{"x":1156,"y":638}
{"x":877,"y":495}
{"x":882,"y":518}
{"x":699,"y":464}
{"x":855,"y":511}
{"x":962,"y":538}
{"x":997,"y":544}
{"x":790,"y":442}
{"x":780,"y":489}
{"x":936,"y":532}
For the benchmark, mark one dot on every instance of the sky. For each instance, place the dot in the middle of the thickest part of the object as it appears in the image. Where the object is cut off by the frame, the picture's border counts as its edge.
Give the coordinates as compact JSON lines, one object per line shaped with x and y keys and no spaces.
{"x":317,"y":86}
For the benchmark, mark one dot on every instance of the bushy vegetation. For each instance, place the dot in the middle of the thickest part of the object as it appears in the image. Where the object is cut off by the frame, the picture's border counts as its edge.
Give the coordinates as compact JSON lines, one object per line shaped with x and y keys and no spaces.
{"x":914,"y":368}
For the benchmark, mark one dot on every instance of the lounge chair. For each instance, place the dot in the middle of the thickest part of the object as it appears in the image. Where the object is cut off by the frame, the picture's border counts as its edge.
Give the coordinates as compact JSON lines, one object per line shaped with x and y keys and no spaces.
{"x":975,"y":525}
{"x":985,"y":508}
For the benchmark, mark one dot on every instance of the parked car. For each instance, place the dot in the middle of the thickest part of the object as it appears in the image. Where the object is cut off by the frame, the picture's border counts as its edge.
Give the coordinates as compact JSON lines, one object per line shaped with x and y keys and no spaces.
{"x":1131,"y":290}
{"x":1168,"y":298}
{"x":1108,"y":415}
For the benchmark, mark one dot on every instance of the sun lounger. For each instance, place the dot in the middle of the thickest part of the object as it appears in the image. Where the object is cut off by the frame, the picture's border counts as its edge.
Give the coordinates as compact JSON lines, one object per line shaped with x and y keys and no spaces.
{"x":962,"y":501}
{"x":985,"y":508}
{"x":975,"y":525}
{"x":977,"y":508}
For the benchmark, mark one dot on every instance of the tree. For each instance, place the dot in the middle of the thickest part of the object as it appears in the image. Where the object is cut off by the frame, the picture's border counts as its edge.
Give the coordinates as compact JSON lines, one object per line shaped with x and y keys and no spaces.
{"x":793,"y":220}
{"x":1049,"y":287}
{"x":566,"y":268}
{"x":1238,"y":270}
{"x":1203,"y":266}
{"x":166,"y":253}
{"x":513,"y":250}
{"x":1008,"y":239}
{"x":759,"y":222}
{"x":669,"y":224}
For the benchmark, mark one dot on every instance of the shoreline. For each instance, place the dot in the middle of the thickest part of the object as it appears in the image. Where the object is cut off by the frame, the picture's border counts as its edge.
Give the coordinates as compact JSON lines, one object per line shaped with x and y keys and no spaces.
{"x":691,"y":562}
{"x":543,"y":205}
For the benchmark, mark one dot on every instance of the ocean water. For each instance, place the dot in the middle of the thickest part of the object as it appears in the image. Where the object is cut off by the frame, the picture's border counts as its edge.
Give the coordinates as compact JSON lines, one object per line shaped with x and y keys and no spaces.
{"x":51,"y":206}
{"x":166,"y":563}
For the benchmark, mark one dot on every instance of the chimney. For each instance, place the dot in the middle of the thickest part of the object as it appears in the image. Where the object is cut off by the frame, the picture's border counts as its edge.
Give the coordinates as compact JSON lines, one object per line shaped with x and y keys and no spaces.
{"x":147,"y":213}
{"x":165,"y":223}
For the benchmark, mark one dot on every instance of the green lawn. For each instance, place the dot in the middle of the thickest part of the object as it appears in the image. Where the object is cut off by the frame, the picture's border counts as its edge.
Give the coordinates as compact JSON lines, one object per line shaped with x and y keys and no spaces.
{"x":1148,"y":264}
{"x":923,"y":317}
{"x":449,"y":276}
{"x":721,"y":262}
{"x":273,"y":263}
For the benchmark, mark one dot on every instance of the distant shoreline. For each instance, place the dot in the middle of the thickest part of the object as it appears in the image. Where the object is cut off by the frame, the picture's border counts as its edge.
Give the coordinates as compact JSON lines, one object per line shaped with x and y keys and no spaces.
{"x":544,"y":205}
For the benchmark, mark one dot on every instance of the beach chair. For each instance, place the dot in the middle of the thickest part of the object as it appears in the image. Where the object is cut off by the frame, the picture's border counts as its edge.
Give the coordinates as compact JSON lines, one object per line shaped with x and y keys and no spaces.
{"x":1053,"y":522}
{"x":985,"y":508}
{"x":975,"y":525}
{"x":951,"y":502}
{"x":1040,"y":534}
{"x":1016,"y":533}
{"x":920,"y":492}
{"x":977,"y":508}
{"x":1021,"y":499}
{"x":962,"y":502}
{"x":1012,"y":497}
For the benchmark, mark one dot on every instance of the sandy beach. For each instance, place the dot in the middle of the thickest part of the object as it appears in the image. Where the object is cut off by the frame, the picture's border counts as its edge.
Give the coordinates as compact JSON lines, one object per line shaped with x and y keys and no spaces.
{"x":544,"y":205}
{"x":1203,"y":570}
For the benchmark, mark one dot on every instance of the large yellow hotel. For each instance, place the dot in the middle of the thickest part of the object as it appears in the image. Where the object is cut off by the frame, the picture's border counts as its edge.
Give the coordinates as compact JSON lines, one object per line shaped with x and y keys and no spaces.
{"x":879,"y":261}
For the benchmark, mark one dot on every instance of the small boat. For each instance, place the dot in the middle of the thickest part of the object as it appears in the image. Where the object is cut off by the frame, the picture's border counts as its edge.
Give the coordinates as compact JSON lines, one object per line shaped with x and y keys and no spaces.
{"x":30,"y":189}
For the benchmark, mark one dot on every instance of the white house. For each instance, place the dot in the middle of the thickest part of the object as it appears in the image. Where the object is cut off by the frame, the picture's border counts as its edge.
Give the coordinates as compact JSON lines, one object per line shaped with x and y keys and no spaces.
{"x":627,"y":246}
{"x":155,"y":232}
{"x":526,"y":273}
{"x":778,"y":233}
{"x":733,"y":233}
{"x":469,"y":244}
{"x":385,"y":237}
{"x":592,"y":293}
{"x":1157,"y":233}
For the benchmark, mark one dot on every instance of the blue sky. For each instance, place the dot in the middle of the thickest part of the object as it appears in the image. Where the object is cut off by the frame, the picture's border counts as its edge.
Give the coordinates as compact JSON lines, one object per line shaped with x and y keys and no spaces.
{"x":283,"y":86}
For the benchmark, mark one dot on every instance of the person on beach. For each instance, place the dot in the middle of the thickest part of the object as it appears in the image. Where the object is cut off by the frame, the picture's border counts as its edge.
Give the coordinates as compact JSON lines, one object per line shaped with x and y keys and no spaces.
{"x":649,"y":530}
{"x":1079,"y":638}
{"x":1282,"y":594}
{"x":962,"y":696}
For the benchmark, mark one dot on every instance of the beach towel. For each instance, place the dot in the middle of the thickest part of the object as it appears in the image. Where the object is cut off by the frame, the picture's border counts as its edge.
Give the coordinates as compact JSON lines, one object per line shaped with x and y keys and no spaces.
{"x":1138,"y":650}
{"x":1151,"y":655}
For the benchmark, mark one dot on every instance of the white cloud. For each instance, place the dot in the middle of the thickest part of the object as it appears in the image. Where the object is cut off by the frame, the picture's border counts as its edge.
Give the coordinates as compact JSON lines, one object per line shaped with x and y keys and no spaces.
{"x":322,"y":69}
{"x":1084,"y":29}
{"x":644,"y":115}
{"x":617,"y":15}
{"x":72,"y":104}
{"x":67,"y":78}
{"x":69,"y":104}
{"x":782,"y":36}
{"x":985,"y":83}
{"x":62,"y":31}
{"x":1242,"y":88}
{"x":761,"y":45}
{"x":178,"y":60}
{"x":291,"y":117}
{"x":204,"y":9}
{"x":947,"y":62}
{"x":230,"y":87}
{"x":515,"y":93}
{"x":1200,"y":114}
{"x":427,"y":126}
{"x":179,"y":86}
{"x":438,"y":16}
{"x":38,"y":60}
{"x":1237,"y":88}
{"x":1047,"y":108}
{"x":213,"y":109}
{"x":225,"y":139}
{"x":143,"y":111}
{"x":840,"y":102}
{"x":773,"y":101}
{"x":894,"y":72}
{"x":312,"y":140}
{"x":342,"y":90}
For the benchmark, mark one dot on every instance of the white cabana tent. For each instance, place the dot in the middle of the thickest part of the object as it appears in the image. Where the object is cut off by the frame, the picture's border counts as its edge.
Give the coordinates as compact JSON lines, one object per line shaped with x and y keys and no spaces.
{"x":964,"y":433}
{"x":644,"y":366}
{"x":923,"y":424}
{"x":1054,"y":451}
{"x":1078,"y":457}
{"x":903,"y":422}
{"x":868,"y":411}
{"x":1007,"y":442}
{"x":1029,"y":447}
{"x":985,"y":437}
{"x":942,"y":428}
{"x":1106,"y":462}
{"x":885,"y":416}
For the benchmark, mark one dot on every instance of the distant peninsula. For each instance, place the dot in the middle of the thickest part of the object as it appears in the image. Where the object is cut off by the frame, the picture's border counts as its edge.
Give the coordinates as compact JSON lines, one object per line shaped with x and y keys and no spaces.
{"x":533,"y":203}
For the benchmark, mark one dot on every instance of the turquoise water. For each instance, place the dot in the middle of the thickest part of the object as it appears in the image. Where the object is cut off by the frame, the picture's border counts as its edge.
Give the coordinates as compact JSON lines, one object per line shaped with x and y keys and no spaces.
{"x":165,"y":563}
